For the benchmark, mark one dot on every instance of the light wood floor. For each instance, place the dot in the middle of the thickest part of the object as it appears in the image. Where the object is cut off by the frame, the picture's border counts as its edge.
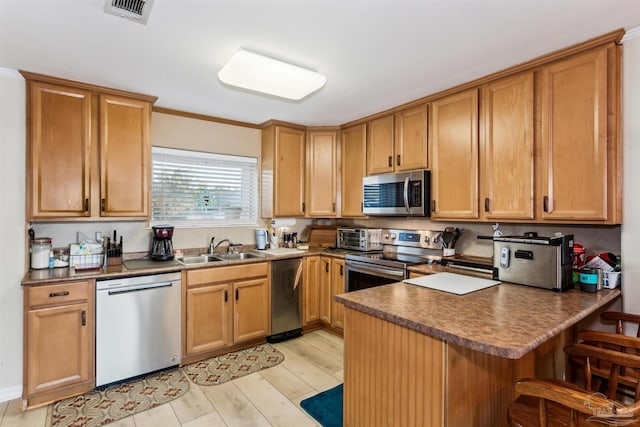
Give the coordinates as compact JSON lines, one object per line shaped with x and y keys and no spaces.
{"x":313,"y":363}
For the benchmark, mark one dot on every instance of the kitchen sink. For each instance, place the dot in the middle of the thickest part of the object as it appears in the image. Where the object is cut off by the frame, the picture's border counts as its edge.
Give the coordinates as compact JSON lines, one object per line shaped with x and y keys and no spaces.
{"x":239,"y":255}
{"x":199,"y":259}
{"x":205,"y":258}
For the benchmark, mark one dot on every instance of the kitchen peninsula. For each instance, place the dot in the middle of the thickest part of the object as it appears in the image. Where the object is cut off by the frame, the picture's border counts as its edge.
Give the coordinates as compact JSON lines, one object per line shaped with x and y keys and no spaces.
{"x":420,"y":357}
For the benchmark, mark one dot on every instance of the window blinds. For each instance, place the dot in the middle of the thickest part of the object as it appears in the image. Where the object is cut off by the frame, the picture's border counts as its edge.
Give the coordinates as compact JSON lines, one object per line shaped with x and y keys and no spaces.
{"x":191,"y":188}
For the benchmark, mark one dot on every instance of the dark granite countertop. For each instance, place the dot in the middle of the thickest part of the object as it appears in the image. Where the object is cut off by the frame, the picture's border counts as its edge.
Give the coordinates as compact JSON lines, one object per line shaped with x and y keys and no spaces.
{"x":53,"y":275}
{"x":507,"y":320}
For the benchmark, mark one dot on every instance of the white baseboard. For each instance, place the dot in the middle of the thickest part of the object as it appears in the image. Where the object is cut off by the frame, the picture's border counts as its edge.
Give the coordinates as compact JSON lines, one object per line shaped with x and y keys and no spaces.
{"x":10,"y":393}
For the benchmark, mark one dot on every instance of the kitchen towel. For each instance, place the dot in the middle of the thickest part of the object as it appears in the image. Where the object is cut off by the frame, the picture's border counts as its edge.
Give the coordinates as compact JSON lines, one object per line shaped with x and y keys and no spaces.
{"x":453,"y":283}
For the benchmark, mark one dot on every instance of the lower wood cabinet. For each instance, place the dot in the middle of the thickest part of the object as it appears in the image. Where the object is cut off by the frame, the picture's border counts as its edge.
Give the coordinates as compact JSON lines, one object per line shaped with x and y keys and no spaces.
{"x":337,"y":287}
{"x":324,"y":278}
{"x":59,"y":331}
{"x":226,"y":306}
{"x":311,"y":290}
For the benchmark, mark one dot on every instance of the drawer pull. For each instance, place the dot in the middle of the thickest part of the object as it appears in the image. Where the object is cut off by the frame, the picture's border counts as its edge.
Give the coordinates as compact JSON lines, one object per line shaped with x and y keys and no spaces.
{"x":58,"y":294}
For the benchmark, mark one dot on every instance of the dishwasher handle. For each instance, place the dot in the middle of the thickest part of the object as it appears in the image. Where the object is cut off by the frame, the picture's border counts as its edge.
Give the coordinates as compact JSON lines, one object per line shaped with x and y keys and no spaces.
{"x":141,"y":288}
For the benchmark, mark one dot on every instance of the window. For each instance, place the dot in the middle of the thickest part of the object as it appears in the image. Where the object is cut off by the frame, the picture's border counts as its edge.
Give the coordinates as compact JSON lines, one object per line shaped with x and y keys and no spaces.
{"x":195,"y":189}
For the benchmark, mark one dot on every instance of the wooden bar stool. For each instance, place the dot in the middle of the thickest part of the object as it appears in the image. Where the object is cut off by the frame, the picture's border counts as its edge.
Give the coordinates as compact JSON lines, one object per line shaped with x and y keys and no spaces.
{"x":551,"y":403}
{"x":620,"y":318}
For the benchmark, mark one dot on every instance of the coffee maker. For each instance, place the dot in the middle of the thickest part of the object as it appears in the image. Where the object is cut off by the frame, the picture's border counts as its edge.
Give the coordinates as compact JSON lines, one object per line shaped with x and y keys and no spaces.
{"x":162,"y":246}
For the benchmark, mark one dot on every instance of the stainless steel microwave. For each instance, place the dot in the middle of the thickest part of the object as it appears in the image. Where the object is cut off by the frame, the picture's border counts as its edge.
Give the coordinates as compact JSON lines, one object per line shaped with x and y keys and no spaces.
{"x":397,"y":194}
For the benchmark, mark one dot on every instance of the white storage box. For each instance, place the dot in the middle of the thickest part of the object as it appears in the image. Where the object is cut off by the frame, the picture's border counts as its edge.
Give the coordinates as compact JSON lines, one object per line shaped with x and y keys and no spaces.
{"x":611,"y":279}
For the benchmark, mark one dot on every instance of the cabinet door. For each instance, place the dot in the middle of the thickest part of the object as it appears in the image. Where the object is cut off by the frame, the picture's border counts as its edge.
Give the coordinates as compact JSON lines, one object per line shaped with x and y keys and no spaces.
{"x":289,"y":172}
{"x":354,"y":168}
{"x":59,"y":147}
{"x":574,"y":138}
{"x":325,"y":289}
{"x":125,"y":153}
{"x":251,"y":317}
{"x":507,"y":154}
{"x":337,"y":287}
{"x":411,"y":148}
{"x":455,"y":156}
{"x":380,"y":145}
{"x":311,"y":290}
{"x":322,"y":147}
{"x":59,"y":348}
{"x":208,"y":318}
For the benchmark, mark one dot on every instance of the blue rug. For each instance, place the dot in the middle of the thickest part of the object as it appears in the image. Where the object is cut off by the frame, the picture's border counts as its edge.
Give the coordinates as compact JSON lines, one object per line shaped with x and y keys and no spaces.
{"x":326,"y":407}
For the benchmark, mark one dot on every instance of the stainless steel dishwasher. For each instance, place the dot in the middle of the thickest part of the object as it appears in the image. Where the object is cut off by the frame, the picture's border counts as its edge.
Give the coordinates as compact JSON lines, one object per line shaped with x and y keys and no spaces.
{"x":137,"y":325}
{"x":286,"y":319}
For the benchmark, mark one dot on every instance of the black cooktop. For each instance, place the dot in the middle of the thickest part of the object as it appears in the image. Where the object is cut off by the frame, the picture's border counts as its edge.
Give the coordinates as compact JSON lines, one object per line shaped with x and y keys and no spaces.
{"x":392,"y":259}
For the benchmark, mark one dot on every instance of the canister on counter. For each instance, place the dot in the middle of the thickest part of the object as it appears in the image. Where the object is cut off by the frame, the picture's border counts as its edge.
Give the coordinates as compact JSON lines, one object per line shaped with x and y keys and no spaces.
{"x":589,"y":279}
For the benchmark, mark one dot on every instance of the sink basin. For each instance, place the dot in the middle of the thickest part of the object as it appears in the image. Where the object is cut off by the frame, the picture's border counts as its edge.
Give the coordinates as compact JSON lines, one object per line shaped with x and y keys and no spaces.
{"x":239,"y":255}
{"x":199,"y":259}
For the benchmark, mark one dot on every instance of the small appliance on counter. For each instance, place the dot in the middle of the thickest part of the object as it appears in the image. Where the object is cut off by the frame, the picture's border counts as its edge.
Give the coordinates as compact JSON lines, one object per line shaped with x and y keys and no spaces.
{"x":543,"y":262}
{"x":261,"y":239}
{"x":360,"y":239}
{"x":162,"y":246}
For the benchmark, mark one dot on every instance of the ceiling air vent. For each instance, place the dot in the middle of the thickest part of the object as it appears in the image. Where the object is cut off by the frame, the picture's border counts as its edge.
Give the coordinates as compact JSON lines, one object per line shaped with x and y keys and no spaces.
{"x":133,"y":10}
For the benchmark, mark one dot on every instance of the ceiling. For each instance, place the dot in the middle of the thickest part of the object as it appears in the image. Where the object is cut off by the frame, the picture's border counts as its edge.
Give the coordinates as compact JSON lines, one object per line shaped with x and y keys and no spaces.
{"x":376,"y":54}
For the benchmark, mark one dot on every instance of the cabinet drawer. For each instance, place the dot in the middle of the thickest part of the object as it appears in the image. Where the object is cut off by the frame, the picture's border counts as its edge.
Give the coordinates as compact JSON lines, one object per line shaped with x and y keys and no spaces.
{"x":227,"y":274}
{"x":58,"y":294}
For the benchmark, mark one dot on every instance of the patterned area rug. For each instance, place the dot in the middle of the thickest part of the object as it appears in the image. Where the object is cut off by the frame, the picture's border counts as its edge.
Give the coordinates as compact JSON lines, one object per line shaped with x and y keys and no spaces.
{"x":111,"y":403}
{"x":220,"y":369}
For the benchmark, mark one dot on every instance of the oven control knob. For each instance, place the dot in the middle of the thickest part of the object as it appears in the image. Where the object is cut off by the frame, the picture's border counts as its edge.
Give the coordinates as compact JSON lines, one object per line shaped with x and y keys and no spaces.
{"x":392,"y":236}
{"x":426,"y":239}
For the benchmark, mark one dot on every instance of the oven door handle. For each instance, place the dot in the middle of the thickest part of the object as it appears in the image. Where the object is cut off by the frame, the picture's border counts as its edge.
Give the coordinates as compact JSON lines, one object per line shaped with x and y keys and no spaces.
{"x":377,"y":271}
{"x":406,"y":194}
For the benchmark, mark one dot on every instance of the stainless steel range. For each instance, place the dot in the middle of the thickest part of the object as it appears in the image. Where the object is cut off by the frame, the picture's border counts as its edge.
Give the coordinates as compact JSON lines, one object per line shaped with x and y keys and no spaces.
{"x":401,"y":248}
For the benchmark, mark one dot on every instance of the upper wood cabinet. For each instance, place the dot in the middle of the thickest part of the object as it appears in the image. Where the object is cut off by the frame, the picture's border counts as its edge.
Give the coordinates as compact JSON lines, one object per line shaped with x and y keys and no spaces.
{"x":125,"y":156}
{"x":354,"y":168}
{"x":574,"y":158}
{"x":380,"y":145}
{"x":88,"y":151}
{"x":411,"y":147}
{"x":398,"y":142}
{"x":454,"y":138}
{"x":283,"y":165}
{"x":507,"y":154}
{"x":322,"y":173}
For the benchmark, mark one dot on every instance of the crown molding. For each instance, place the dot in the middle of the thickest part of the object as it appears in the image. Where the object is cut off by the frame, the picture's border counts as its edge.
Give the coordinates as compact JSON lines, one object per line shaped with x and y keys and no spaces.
{"x":633,"y":33}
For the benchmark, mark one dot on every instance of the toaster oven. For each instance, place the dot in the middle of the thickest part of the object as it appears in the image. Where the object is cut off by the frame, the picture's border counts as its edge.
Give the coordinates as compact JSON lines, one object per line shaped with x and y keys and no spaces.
{"x":360,"y":239}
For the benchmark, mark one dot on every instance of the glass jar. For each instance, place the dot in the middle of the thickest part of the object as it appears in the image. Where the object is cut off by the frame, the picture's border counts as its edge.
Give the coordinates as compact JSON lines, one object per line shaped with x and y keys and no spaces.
{"x":40,"y":249}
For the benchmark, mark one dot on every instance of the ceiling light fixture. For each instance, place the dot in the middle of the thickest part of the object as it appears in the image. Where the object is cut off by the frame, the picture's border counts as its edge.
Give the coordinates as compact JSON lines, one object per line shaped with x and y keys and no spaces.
{"x":260,"y":73}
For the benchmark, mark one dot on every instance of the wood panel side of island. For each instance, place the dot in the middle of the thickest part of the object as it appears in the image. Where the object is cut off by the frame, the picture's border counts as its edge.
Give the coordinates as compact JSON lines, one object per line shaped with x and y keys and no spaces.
{"x":393,"y":375}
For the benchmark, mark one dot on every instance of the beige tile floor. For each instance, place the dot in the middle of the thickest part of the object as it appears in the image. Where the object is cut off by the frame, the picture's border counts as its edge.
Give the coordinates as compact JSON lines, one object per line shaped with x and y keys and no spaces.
{"x":313,"y":363}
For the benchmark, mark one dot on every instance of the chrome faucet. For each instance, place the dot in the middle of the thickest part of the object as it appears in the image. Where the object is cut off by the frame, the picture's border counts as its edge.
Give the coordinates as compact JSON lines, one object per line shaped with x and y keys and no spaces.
{"x":212,"y":247}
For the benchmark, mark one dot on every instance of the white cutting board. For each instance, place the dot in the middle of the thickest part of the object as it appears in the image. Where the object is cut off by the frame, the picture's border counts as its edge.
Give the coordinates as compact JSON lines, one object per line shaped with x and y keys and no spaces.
{"x":282,"y":251}
{"x":453,"y":283}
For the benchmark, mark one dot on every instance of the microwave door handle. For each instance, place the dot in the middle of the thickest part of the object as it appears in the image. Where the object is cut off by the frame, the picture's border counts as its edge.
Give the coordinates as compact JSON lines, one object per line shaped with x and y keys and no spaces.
{"x":406,"y":194}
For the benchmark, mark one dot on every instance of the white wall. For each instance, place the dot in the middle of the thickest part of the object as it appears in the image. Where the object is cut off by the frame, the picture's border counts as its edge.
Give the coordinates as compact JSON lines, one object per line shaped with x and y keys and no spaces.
{"x":631,"y":171}
{"x":12,"y":249}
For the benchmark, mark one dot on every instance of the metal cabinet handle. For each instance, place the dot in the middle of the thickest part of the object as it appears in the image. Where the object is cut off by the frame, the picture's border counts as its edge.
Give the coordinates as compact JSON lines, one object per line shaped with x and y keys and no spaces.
{"x":226,"y":295}
{"x":58,"y":294}
{"x":103,"y":204}
{"x":237,"y":294}
{"x":341,"y":270}
{"x":486,"y":204}
{"x":86,"y":205}
{"x":545,"y":203}
{"x":433,"y":206}
{"x":334,"y":207}
{"x":390,"y":161}
{"x":326,"y":267}
{"x":84,"y":318}
{"x":302,"y":207}
{"x":398,"y":160}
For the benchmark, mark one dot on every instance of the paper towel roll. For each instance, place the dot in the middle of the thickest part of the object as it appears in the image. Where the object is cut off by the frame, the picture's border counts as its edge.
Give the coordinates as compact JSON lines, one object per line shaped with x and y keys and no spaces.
{"x":283,"y":222}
